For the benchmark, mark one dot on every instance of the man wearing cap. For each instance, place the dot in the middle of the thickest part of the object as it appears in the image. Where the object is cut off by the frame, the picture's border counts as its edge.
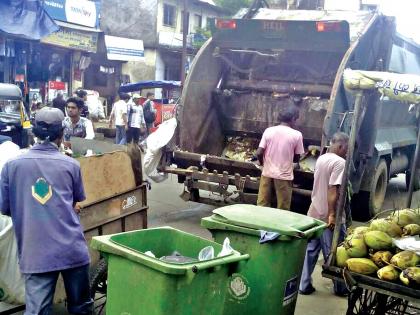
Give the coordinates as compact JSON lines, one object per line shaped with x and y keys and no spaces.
{"x":136,"y":123}
{"x":39,"y":190}
{"x":75,"y":125}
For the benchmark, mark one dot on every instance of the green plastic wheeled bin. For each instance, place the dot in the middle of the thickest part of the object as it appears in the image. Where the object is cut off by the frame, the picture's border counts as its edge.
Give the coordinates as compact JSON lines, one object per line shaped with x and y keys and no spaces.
{"x":140,"y":284}
{"x":268,"y":282}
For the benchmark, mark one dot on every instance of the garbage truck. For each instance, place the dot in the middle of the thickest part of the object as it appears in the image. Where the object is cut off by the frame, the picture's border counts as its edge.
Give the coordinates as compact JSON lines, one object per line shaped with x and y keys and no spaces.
{"x":262,"y":61}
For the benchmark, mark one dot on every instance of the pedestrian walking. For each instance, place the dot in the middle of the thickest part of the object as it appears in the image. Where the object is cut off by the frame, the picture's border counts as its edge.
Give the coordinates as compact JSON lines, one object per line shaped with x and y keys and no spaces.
{"x":119,"y":115}
{"x":329,"y":171}
{"x":75,"y":125}
{"x":280,"y":146}
{"x":136,"y":123}
{"x":39,"y":190}
{"x":149,"y":111}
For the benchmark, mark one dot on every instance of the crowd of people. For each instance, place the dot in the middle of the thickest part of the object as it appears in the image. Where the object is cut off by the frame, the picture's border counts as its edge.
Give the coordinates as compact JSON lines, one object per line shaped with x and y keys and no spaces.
{"x":133,"y":121}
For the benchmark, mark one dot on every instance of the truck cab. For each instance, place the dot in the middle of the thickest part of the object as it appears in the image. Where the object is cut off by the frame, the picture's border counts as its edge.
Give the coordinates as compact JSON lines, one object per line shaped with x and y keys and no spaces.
{"x":14,"y":122}
{"x":256,"y":65}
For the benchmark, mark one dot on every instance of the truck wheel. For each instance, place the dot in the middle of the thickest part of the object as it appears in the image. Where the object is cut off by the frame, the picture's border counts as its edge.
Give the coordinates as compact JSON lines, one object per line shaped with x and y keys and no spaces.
{"x":416,"y":179}
{"x":378,"y":187}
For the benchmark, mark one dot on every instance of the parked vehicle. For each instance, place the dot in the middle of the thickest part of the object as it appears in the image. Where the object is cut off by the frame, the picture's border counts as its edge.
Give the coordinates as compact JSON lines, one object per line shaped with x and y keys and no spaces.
{"x":14,"y":120}
{"x":265,"y":59}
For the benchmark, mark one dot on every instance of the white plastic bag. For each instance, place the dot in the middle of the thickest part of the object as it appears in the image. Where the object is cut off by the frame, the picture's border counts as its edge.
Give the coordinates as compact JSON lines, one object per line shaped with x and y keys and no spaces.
{"x":8,"y":150}
{"x":12,"y":282}
{"x":206,"y":253}
{"x":227,"y":249}
{"x":155,"y":142}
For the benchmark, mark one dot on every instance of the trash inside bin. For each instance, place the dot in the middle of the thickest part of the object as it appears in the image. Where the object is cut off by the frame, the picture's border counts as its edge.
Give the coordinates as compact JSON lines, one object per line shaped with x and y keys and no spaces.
{"x":140,"y":284}
{"x":268,"y":283}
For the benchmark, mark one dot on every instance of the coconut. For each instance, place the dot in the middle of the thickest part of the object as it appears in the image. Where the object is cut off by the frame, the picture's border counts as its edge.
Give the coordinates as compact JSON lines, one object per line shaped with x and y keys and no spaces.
{"x":387,"y":226}
{"x":405,"y":217}
{"x":342,"y":256}
{"x":356,"y":247}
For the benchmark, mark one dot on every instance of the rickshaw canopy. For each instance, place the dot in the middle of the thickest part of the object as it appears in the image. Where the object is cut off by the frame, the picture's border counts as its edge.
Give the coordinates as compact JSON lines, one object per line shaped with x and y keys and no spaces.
{"x":132,"y":87}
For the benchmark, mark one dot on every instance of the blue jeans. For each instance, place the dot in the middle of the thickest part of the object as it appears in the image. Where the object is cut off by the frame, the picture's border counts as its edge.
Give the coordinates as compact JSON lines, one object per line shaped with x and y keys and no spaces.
{"x":40,"y":288}
{"x":120,"y":135}
{"x":315,"y":246}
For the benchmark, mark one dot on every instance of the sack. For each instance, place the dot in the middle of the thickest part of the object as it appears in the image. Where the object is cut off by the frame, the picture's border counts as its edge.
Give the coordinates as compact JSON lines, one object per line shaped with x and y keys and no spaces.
{"x":12,"y":283}
{"x":149,"y":115}
{"x":155,"y":142}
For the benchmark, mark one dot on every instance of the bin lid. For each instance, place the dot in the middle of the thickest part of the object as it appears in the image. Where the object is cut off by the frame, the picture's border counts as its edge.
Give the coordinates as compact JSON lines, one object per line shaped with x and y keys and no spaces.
{"x":264,"y":218}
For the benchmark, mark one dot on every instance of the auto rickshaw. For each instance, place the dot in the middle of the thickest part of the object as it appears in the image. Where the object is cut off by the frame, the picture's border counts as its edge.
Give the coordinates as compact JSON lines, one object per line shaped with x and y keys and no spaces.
{"x":14,"y":120}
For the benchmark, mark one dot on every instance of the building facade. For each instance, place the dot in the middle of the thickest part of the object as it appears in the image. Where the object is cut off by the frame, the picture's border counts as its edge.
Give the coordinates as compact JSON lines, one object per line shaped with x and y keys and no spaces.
{"x":158,"y":23}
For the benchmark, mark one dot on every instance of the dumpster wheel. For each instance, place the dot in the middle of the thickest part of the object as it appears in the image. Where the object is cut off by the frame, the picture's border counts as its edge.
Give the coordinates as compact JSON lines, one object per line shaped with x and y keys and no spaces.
{"x":98,"y":285}
{"x":367,"y":302}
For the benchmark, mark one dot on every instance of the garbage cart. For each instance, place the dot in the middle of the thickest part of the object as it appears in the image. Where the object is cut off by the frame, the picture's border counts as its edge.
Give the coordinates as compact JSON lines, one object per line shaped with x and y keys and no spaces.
{"x":276,"y":242}
{"x":156,"y":271}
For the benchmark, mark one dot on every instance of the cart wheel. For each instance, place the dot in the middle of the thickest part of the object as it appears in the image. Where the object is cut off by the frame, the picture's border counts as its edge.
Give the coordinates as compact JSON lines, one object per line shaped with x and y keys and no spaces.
{"x":366,"y":302}
{"x":98,"y":285}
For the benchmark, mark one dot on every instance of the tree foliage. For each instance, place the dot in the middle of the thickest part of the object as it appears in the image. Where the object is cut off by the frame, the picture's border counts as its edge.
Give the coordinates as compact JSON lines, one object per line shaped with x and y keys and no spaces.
{"x":233,"y":5}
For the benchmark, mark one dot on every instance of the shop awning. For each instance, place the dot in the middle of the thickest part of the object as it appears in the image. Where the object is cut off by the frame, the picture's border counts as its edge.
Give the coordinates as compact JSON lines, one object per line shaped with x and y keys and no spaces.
{"x":124,"y":49}
{"x":26,"y":18}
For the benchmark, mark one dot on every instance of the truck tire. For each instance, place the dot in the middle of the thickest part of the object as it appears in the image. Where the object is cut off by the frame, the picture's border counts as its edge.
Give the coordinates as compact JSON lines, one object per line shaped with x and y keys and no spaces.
{"x":416,"y":181}
{"x":378,"y":187}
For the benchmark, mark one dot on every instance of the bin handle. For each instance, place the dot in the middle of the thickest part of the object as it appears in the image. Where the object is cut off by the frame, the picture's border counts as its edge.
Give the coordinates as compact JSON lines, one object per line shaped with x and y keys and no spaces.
{"x":313,"y":229}
{"x":218,"y":262}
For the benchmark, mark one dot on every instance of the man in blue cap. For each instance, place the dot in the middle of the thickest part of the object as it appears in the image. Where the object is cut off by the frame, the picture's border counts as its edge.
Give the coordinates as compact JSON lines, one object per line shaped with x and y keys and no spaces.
{"x":39,"y":190}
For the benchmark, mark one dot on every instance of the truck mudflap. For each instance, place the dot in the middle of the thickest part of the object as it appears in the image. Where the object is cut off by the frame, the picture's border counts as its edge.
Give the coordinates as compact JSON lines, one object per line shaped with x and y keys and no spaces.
{"x":228,"y":183}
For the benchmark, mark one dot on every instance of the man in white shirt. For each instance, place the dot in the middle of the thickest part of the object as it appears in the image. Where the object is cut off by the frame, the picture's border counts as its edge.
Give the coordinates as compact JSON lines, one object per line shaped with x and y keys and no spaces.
{"x":119,"y":114}
{"x":136,"y":123}
{"x":329,"y":170}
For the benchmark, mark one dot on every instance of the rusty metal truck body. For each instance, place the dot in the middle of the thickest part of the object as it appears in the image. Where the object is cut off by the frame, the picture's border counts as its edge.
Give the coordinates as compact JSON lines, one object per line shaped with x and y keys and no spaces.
{"x":252,"y":68}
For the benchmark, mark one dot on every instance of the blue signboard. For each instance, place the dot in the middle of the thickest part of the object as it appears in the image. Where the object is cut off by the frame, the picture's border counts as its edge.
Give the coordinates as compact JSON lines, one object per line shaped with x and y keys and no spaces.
{"x":82,"y":12}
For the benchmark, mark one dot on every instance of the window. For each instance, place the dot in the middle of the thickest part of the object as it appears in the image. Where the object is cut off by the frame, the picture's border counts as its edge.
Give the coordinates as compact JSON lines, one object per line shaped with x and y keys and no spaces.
{"x":169,"y":15}
{"x":172,"y":72}
{"x":198,"y":20}
{"x":182,"y":22}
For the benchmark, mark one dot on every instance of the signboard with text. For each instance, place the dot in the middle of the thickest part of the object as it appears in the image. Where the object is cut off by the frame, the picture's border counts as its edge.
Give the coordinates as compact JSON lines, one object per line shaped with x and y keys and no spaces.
{"x":82,"y":12}
{"x":73,"y":39}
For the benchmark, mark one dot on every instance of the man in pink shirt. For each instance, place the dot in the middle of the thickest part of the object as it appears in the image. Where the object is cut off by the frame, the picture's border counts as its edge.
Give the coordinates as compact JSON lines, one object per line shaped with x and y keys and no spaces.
{"x":280,"y":146}
{"x":329,"y":169}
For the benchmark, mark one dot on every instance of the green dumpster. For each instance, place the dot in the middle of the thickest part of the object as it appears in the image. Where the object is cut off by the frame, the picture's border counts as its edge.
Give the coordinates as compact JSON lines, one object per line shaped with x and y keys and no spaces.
{"x":268,"y":282}
{"x":140,"y":284}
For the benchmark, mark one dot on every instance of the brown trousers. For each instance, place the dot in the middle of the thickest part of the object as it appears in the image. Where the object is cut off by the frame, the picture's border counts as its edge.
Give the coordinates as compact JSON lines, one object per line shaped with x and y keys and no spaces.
{"x":282,"y":188}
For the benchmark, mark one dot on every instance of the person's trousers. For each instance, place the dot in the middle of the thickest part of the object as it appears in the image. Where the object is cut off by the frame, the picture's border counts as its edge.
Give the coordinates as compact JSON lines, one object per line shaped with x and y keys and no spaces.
{"x":282,"y":189}
{"x":315,"y":246}
{"x":133,"y":135}
{"x":120,"y":135}
{"x":40,"y":288}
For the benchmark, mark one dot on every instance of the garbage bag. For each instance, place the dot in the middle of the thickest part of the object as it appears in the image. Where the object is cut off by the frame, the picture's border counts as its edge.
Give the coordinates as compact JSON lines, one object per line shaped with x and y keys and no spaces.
{"x":155,"y":142}
{"x":12,"y":283}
